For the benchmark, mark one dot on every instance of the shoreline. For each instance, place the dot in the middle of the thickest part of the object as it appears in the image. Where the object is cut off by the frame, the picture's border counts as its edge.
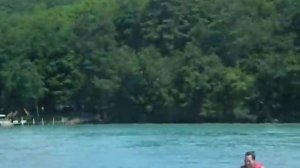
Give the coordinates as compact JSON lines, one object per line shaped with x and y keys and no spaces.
{"x":96,"y":120}
{"x":78,"y":121}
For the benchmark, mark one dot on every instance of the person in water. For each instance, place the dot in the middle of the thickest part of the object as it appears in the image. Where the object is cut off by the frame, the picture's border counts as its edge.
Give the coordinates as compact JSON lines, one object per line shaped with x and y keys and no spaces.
{"x":250,"y":161}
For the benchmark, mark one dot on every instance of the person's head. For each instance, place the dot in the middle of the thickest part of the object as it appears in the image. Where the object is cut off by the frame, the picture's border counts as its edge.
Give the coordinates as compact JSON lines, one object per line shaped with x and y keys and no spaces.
{"x":250,"y":159}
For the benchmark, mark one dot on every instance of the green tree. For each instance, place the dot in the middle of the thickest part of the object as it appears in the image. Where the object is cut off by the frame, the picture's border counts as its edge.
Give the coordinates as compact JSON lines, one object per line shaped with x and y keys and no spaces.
{"x":23,"y":86}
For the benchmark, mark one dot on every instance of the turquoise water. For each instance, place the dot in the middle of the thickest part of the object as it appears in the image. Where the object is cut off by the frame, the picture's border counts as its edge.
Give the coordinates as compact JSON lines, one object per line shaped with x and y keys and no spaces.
{"x":149,"y":146}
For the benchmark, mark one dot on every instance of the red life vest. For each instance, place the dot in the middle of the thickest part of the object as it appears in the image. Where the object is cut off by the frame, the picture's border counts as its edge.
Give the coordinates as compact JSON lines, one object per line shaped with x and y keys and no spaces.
{"x":258,"y":165}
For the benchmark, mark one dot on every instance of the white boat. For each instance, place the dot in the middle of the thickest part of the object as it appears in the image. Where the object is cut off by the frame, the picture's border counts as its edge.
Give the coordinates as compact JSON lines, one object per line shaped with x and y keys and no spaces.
{"x":4,"y":122}
{"x":21,"y":122}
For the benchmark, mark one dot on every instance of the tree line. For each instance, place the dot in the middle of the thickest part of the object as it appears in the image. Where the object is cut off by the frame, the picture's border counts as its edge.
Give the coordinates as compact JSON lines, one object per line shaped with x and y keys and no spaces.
{"x":152,"y":60}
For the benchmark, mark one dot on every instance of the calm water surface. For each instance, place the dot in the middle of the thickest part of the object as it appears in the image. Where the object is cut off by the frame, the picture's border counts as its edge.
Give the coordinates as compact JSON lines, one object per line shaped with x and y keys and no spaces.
{"x":149,"y":146}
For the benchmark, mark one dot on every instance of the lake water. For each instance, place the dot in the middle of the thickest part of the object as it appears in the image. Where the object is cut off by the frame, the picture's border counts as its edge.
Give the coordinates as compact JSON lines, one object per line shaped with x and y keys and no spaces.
{"x":149,"y":146}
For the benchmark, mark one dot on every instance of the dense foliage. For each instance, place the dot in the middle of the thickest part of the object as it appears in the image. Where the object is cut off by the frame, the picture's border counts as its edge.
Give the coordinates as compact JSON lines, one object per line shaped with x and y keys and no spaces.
{"x":152,"y":60}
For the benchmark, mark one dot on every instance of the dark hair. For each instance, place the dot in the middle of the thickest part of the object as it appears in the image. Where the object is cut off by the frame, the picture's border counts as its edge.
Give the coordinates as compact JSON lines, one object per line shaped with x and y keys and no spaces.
{"x":251,"y":153}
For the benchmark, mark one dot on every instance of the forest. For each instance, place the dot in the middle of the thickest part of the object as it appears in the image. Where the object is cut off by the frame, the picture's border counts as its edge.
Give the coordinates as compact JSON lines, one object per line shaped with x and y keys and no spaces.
{"x":157,"y":61}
